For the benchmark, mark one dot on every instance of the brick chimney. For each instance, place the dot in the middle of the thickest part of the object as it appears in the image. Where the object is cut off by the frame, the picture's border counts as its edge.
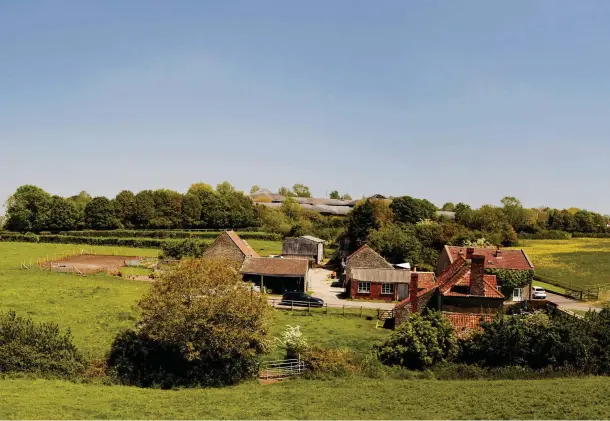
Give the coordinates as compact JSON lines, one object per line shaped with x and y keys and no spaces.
{"x":477,"y":271}
{"x":413,"y":290}
{"x":469,"y":252}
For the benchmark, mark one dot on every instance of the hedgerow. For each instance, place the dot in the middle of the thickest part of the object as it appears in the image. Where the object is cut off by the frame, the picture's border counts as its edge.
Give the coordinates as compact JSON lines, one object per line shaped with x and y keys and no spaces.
{"x":94,"y":241}
{"x":247,"y":235}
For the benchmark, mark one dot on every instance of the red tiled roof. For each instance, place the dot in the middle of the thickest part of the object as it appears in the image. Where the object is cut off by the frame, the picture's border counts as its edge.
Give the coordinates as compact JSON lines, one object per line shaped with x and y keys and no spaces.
{"x":272,"y":266}
{"x":505,"y":259}
{"x":458,"y":274}
{"x":426,"y":280}
{"x":362,"y":247}
{"x":243,"y":246}
{"x":466,"y":321}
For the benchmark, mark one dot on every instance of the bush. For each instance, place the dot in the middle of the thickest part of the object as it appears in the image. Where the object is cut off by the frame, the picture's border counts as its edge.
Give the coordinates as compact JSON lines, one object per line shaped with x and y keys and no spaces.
{"x":546,"y":235}
{"x":136,"y":359}
{"x":419,"y":342}
{"x":327,"y":362}
{"x":184,"y":248}
{"x":292,"y":341}
{"x":200,"y":326}
{"x":28,"y":347}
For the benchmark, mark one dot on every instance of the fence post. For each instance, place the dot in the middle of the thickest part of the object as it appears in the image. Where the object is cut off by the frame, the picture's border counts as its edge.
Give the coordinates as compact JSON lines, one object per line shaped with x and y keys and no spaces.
{"x":581,"y":295}
{"x":291,"y":305}
{"x":326,"y":308}
{"x":309,"y":306}
{"x":344,"y":309}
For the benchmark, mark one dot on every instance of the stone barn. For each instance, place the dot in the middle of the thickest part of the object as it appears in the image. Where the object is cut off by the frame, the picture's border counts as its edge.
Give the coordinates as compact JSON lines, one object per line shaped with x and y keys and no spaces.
{"x":228,"y":245}
{"x":305,"y":246}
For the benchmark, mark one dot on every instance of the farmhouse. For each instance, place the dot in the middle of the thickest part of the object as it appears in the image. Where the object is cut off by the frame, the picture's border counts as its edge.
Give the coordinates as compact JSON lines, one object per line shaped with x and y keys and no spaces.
{"x":509,"y":266}
{"x":277,"y":274}
{"x":463,"y":287}
{"x":305,"y":246}
{"x":228,"y":245}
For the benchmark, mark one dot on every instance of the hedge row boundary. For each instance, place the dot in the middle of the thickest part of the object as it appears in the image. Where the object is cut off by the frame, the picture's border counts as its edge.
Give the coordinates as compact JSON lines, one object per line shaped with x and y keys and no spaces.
{"x":92,"y":241}
{"x":246,"y":235}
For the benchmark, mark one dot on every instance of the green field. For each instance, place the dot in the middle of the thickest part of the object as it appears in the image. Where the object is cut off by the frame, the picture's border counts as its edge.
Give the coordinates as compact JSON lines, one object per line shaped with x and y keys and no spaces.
{"x":577,"y":263}
{"x":266,"y":247}
{"x":583,"y":398}
{"x":96,"y":307}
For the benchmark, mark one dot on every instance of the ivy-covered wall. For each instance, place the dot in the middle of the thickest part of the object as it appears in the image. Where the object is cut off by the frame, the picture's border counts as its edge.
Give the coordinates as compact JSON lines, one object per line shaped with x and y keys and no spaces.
{"x":511,"y":279}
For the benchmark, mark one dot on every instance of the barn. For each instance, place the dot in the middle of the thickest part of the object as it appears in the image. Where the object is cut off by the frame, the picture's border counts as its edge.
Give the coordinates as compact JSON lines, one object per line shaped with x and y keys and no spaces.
{"x":277,"y":274}
{"x":305,"y":246}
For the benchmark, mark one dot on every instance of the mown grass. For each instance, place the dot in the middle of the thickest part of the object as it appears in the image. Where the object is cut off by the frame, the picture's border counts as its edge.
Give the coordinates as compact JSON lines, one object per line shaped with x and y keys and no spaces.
{"x":266,"y":247}
{"x":358,"y":398}
{"x":577,"y":263}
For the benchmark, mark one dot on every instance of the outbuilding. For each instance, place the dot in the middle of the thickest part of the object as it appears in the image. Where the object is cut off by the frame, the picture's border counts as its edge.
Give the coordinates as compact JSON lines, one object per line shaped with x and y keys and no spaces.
{"x":277,"y":274}
{"x":305,"y":246}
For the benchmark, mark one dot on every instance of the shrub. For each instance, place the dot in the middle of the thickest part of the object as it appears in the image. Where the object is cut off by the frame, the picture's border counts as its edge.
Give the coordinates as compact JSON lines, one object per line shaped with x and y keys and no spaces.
{"x":328,"y":362}
{"x":292,"y":341}
{"x":419,"y":342}
{"x":28,"y":347}
{"x":167,"y":234}
{"x":30,"y":237}
{"x":181,"y":249}
{"x":200,"y":325}
{"x":546,"y":235}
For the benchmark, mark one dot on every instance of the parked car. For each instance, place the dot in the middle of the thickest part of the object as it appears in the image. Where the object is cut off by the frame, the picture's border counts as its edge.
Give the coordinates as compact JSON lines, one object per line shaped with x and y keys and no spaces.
{"x":301,"y":299}
{"x":538,"y":292}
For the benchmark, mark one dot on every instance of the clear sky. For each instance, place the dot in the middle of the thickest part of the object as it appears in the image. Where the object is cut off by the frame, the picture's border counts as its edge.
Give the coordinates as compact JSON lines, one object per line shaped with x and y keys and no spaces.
{"x":448,"y":100}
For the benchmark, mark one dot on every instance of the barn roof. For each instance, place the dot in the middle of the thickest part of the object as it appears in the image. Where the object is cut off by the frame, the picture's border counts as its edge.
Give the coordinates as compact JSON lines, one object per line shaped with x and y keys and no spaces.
{"x":311,"y":238}
{"x":271,"y":266}
{"x":243,"y":246}
{"x":389,"y":276}
{"x":495,"y":259}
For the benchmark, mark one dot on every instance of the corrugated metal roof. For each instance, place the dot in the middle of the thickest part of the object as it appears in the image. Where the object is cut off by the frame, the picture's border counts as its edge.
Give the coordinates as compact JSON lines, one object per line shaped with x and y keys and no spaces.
{"x":381,"y":275}
{"x":312,"y":238}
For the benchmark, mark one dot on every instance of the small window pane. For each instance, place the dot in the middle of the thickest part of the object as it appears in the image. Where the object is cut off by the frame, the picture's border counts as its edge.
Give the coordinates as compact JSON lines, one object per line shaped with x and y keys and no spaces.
{"x":364,"y":287}
{"x":387,"y":288}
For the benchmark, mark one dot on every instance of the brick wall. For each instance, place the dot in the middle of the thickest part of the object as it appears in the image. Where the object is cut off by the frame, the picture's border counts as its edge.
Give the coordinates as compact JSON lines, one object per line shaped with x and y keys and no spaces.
{"x":402,"y":311}
{"x":375,"y":293}
{"x":224,"y":247}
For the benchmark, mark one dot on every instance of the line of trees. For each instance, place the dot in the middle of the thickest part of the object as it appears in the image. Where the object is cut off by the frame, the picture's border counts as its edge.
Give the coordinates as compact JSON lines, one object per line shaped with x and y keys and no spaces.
{"x":31,"y":208}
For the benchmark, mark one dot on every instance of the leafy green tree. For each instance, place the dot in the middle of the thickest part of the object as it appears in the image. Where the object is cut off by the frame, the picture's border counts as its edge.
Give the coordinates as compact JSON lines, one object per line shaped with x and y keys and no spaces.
{"x":145,"y":209}
{"x":286,"y":192}
{"x":419,"y":342}
{"x":360,"y":222}
{"x":489,"y":219}
{"x":28,"y":209}
{"x":301,"y":190}
{"x":409,"y":210}
{"x":396,"y":244}
{"x":63,"y":214}
{"x":191,"y":210}
{"x":255,"y":188}
{"x":334,"y":195}
{"x":125,"y":208}
{"x":346,"y":196}
{"x":2,"y":221}
{"x":291,"y":208}
{"x":449,"y":207}
{"x":464,"y":214}
{"x":200,"y":325}
{"x":168,"y":209}
{"x":99,"y":214}
{"x":225,"y":188}
{"x":514,"y":212}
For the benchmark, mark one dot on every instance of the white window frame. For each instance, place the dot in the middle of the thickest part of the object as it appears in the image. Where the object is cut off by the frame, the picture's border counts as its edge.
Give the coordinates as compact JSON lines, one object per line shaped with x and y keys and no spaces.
{"x":386,"y":286}
{"x":364,"y":287}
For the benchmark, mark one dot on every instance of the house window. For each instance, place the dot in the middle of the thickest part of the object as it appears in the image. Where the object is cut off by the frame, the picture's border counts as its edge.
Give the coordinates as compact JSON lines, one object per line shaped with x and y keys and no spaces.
{"x":387,"y":288}
{"x":364,"y":287}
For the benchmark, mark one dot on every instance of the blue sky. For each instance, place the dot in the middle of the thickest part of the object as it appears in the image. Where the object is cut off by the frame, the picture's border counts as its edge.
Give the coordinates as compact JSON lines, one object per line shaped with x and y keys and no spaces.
{"x":448,"y":100}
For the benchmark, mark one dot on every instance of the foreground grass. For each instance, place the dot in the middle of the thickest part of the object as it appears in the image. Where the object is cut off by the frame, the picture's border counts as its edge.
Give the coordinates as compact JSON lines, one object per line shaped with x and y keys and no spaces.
{"x":579,"y":398}
{"x":578,"y":262}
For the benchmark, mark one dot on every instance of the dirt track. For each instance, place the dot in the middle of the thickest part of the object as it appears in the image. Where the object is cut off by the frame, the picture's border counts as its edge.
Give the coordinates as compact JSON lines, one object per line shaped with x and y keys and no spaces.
{"x":87,"y":263}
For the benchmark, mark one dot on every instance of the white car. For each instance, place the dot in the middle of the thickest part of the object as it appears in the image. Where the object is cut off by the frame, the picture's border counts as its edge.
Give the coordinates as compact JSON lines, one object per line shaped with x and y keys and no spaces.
{"x":538,"y":292}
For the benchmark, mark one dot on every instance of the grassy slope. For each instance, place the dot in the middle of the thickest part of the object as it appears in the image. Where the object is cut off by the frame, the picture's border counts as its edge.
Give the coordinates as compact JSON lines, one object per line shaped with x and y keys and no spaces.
{"x":93,"y":307}
{"x":266,"y":247}
{"x":338,"y":399}
{"x":577,"y":262}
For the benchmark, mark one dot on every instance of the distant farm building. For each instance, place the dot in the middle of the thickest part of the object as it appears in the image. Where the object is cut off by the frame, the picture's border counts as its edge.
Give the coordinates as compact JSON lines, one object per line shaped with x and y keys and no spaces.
{"x":305,"y":246}
{"x":277,"y":274}
{"x":228,"y":245}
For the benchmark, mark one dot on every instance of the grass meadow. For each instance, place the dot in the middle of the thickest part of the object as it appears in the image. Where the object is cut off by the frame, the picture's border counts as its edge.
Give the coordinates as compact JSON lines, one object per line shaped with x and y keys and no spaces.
{"x":96,"y":307}
{"x":578,"y":262}
{"x":580,"y":398}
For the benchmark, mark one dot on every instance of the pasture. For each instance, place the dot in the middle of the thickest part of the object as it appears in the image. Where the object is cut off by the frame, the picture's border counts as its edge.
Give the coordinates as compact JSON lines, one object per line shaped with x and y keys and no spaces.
{"x":572,"y":398}
{"x":576,"y":263}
